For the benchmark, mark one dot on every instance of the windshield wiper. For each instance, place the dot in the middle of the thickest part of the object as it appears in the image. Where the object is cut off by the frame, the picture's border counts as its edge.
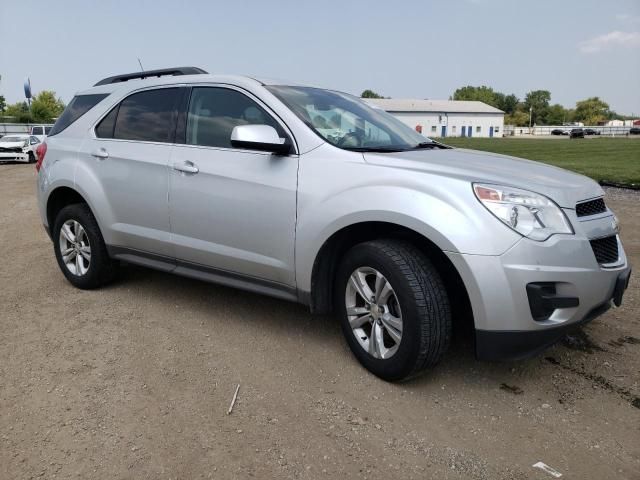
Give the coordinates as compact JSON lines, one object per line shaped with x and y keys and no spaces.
{"x":373,"y":149}
{"x":430,"y":145}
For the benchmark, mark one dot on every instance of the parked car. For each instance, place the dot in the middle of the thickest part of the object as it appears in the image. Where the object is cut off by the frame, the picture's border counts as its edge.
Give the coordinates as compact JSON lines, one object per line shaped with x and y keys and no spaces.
{"x":313,"y":196}
{"x":18,"y":148}
{"x":558,"y":131}
{"x":634,"y":131}
{"x":591,"y":131}
{"x":40,"y":131}
{"x":576,"y":133}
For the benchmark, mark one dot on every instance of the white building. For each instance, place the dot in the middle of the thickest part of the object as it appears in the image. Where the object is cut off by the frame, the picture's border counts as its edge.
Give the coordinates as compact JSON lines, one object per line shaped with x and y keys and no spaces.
{"x":445,"y":118}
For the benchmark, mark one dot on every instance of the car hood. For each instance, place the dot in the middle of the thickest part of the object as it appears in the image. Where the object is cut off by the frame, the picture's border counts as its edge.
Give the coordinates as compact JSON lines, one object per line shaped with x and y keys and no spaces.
{"x":12,"y":144}
{"x":562,"y":186}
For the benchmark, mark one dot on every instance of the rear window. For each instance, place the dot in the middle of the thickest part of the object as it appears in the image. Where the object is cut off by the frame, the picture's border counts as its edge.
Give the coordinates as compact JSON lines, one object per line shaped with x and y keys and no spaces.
{"x":146,"y":116}
{"x":80,"y":105}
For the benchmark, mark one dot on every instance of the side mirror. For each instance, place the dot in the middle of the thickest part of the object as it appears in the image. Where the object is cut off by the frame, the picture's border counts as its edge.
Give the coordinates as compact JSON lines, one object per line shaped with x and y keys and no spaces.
{"x":259,"y":137}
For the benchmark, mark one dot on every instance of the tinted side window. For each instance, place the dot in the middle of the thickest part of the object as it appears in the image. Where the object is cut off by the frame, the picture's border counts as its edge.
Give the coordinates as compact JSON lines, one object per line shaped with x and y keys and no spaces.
{"x":36,"y":130}
{"x":106,"y":125}
{"x":47,"y":130}
{"x":147,"y":116}
{"x":214,"y":112}
{"x":79,"y":105}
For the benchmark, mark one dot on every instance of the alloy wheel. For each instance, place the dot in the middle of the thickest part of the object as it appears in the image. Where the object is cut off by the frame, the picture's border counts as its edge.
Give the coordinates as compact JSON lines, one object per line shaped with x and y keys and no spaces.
{"x":75,"y":248}
{"x":373,"y":312}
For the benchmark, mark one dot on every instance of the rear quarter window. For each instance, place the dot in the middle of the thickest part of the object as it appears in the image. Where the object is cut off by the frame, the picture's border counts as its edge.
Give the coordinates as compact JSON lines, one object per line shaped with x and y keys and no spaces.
{"x":79,"y":105}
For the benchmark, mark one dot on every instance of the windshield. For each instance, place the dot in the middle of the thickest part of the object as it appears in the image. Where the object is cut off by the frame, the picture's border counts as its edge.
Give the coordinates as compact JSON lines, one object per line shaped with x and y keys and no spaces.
{"x":12,"y":139}
{"x":347,"y":122}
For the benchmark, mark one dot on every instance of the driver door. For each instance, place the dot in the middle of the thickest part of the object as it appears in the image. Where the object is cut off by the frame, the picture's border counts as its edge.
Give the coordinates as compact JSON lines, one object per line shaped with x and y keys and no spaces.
{"x":232,"y":211}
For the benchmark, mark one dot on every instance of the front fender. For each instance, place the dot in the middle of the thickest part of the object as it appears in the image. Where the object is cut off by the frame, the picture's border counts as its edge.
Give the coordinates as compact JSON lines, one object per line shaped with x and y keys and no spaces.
{"x":338,"y":191}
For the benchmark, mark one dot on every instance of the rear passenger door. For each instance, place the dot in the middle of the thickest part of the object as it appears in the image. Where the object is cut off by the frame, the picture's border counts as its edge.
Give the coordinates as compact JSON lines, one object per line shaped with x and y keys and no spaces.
{"x":235,"y":211}
{"x":130,"y":154}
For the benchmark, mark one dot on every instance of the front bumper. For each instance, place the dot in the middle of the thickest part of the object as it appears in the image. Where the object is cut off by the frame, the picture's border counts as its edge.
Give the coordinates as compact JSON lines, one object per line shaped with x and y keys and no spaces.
{"x":497,"y":287}
{"x":14,"y":157}
{"x":516,"y":345}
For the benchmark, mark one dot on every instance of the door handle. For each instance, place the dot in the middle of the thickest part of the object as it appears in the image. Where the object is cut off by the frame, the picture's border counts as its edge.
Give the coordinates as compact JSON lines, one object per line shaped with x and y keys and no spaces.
{"x":186,"y":167}
{"x":100,"y":153}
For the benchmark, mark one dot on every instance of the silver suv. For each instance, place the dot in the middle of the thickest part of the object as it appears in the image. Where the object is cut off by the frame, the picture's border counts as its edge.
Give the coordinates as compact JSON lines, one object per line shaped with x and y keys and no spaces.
{"x":313,"y":196}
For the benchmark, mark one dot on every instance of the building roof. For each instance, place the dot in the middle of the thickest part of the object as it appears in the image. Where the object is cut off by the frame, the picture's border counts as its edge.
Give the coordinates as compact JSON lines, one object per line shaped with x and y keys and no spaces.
{"x":435,"y":106}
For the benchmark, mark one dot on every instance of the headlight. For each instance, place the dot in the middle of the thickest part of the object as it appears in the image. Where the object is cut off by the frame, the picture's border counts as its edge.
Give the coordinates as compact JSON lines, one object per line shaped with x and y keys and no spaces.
{"x":530,"y":214}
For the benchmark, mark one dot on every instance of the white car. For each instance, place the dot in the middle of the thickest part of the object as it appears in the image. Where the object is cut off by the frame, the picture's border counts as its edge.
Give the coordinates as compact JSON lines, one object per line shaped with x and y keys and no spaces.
{"x":18,"y":148}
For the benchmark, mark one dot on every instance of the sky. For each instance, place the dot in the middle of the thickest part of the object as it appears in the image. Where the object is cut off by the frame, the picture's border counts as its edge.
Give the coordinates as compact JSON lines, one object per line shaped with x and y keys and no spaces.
{"x":402,"y":49}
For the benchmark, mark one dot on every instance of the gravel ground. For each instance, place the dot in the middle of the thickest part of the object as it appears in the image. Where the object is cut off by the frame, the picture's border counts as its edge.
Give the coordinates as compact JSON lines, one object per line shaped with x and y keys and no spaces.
{"x":134,"y":381}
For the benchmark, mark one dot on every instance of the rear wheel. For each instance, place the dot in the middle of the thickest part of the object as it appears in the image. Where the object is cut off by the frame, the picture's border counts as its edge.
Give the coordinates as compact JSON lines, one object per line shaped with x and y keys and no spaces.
{"x":80,"y":249}
{"x":394,"y":309}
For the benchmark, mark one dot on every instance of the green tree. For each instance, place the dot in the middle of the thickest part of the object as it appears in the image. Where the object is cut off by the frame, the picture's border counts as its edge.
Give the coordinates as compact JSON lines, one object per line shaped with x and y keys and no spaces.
{"x":481,"y":94}
{"x":506,"y":103}
{"x":557,"y":115}
{"x":45,"y":106}
{"x":509,"y":103}
{"x":538,"y":102}
{"x":19,"y":113}
{"x":370,"y":94}
{"x":3,"y":104}
{"x":517,"y":118}
{"x":592,"y":111}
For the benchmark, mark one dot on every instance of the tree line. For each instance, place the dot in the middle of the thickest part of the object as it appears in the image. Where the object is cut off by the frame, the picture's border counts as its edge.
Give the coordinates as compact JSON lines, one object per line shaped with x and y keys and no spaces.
{"x":45,"y":108}
{"x":590,"y":111}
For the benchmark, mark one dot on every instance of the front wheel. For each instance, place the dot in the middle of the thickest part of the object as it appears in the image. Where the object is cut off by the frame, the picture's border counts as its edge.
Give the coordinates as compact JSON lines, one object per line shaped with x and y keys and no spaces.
{"x":80,"y":249}
{"x":32,"y":158}
{"x":393,"y":307}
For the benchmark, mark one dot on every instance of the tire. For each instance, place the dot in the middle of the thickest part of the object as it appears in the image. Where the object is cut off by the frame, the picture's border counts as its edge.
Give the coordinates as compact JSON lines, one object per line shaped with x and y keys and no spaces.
{"x":421,"y":302}
{"x":32,"y":158}
{"x":90,"y":273}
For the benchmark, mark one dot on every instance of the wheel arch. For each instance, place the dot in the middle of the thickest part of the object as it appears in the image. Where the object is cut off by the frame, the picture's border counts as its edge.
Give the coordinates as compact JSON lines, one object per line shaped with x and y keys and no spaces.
{"x":59,"y":198}
{"x":334,"y":248}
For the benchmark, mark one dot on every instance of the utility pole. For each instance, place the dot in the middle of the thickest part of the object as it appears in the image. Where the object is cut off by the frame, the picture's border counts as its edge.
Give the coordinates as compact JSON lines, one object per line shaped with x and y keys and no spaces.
{"x":530,"y":114}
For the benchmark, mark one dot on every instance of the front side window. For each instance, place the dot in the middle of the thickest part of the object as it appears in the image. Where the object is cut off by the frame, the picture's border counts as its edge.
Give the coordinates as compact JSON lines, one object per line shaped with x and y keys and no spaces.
{"x":36,"y":131}
{"x":347,"y":122}
{"x":214,"y":112}
{"x":147,"y":116}
{"x":34,"y":140}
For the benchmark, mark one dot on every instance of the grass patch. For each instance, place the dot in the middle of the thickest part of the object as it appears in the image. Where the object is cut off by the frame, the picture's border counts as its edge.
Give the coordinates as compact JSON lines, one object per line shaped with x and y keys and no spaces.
{"x":606,"y":160}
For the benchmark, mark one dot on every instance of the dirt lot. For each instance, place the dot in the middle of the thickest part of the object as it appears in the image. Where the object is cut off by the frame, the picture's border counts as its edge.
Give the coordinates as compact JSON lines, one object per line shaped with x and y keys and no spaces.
{"x":134,"y":381}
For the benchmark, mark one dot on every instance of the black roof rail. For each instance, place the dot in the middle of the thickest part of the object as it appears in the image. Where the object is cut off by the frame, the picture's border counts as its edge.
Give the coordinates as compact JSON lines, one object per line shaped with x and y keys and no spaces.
{"x":151,"y":73}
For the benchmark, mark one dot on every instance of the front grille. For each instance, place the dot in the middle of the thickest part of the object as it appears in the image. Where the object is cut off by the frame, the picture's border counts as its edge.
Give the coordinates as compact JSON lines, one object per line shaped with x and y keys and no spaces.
{"x":605,"y":249}
{"x":13,"y":149}
{"x":591,"y":207}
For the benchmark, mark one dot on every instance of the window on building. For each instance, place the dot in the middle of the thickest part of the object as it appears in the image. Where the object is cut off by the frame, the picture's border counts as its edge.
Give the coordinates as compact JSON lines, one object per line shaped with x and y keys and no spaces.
{"x":453,"y":129}
{"x":497,"y":129}
{"x":478,"y":129}
{"x":433,"y":129}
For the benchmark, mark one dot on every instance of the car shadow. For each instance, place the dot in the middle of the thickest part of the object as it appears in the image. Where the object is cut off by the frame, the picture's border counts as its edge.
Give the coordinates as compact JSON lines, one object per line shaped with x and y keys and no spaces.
{"x":289,"y":318}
